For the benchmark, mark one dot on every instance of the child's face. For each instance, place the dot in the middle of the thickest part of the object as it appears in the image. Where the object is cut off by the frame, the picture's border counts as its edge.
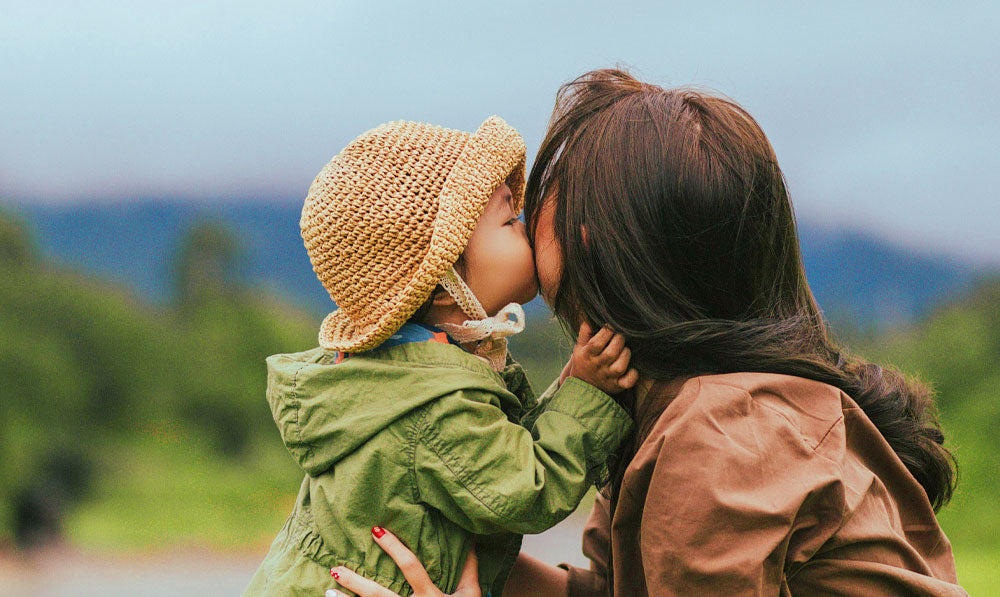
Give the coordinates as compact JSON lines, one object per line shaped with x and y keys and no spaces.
{"x":499,"y":265}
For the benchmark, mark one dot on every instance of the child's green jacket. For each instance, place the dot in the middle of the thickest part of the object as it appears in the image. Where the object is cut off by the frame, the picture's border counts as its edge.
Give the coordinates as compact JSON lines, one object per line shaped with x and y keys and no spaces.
{"x":428,"y":441}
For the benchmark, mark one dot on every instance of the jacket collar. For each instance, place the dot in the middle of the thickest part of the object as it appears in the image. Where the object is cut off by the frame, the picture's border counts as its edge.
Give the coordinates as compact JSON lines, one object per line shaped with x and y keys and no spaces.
{"x":652,"y":397}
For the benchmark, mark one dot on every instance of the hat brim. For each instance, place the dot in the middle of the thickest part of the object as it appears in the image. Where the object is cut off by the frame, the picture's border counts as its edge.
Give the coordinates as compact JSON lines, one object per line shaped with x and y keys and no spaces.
{"x":493,"y":154}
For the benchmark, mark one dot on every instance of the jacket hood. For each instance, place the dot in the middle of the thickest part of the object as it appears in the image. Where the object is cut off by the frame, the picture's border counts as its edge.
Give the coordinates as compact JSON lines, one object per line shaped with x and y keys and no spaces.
{"x":325,"y":410}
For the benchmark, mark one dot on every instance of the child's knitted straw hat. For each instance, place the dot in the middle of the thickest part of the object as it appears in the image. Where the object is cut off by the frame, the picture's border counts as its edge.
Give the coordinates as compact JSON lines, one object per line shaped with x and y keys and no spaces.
{"x":388,"y":217}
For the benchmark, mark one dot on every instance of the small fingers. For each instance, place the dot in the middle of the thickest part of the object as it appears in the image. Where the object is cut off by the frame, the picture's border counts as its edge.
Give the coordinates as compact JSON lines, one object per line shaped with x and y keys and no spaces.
{"x":584,"y":335}
{"x":620,"y":365}
{"x":613,"y":349}
{"x":600,"y":340}
{"x":629,"y":379}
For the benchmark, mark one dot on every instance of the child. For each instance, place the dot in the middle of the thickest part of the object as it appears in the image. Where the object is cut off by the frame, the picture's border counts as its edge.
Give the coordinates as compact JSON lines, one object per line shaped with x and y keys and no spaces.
{"x":410,"y":413}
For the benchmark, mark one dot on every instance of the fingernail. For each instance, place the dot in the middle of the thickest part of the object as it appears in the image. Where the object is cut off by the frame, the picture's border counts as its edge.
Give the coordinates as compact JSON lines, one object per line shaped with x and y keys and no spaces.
{"x":334,"y":574}
{"x":378,"y":532}
{"x":333,"y":593}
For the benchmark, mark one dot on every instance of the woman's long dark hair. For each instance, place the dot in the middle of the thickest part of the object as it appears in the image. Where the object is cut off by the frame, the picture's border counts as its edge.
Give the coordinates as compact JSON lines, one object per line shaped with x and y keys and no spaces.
{"x":677,"y":230}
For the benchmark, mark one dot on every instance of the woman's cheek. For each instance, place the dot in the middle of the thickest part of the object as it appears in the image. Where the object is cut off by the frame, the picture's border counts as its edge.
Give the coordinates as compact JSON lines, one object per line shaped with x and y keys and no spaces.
{"x":548,"y":253}
{"x":548,"y":263}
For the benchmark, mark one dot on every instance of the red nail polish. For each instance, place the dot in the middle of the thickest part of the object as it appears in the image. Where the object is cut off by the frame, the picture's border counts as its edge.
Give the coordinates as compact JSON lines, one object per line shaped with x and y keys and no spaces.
{"x":334,"y":574}
{"x":378,"y":532}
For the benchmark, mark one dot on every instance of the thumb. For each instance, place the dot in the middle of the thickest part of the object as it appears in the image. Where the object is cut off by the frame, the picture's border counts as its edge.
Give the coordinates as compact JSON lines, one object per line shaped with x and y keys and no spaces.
{"x":468,"y":583}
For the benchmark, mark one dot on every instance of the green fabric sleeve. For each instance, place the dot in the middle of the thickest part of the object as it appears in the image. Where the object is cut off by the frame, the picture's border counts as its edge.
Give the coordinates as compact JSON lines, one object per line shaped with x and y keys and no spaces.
{"x":532,"y":414}
{"x":490,"y":475}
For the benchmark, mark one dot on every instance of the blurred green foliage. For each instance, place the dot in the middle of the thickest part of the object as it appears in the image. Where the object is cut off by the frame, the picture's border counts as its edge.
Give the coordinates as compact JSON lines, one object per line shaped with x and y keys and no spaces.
{"x":957,"y":350}
{"x":125,"y":425}
{"x":111,"y":400}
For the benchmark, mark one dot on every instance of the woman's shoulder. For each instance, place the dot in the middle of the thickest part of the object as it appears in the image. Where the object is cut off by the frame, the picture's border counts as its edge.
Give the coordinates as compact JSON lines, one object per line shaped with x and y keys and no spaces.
{"x":794,"y":409}
{"x":738,"y":463}
{"x":754,"y":447}
{"x":809,"y":405}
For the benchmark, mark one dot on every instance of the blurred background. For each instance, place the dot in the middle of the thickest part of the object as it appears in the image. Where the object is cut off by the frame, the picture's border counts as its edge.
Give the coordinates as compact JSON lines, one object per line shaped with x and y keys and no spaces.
{"x":153,"y":160}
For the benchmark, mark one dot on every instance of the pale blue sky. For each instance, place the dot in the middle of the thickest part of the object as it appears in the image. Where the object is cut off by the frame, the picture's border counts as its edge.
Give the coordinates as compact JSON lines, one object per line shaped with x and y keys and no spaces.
{"x":885,"y":116}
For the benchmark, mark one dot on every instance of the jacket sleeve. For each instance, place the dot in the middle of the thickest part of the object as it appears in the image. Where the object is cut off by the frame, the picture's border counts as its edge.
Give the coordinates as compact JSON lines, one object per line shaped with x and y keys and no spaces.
{"x":735,"y":494}
{"x":489,"y":475}
{"x":528,"y":418}
{"x":596,"y":546}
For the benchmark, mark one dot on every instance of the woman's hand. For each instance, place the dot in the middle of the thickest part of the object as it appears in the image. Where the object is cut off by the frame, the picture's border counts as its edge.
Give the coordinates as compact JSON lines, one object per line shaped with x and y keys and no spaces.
{"x":413,"y":571}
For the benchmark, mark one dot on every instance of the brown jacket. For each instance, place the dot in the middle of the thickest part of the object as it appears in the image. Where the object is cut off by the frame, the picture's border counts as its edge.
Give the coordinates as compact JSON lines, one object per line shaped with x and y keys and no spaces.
{"x":763,"y":484}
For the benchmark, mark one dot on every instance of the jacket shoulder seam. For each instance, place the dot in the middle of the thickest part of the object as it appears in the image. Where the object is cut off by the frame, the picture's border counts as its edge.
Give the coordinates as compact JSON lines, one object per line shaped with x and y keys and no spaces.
{"x":755,"y":402}
{"x":450,"y":363}
{"x":785,"y":417}
{"x":826,"y":435}
{"x":414,"y":433}
{"x":306,"y":448}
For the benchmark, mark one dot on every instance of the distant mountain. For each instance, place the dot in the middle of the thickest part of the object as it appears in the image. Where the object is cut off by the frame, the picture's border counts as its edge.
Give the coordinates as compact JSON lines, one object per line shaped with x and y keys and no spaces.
{"x":857,"y":278}
{"x":867,"y":282}
{"x":134,"y":243}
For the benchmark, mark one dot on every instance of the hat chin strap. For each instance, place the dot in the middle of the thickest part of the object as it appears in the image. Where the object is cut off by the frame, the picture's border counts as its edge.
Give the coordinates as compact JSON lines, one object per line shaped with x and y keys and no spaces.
{"x":491,"y":332}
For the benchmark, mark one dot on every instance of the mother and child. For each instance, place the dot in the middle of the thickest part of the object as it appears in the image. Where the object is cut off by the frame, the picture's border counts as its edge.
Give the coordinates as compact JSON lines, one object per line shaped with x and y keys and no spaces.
{"x":737,"y":449}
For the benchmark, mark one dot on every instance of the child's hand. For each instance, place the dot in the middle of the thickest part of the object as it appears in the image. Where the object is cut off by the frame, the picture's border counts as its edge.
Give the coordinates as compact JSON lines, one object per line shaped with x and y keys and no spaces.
{"x":601,"y":360}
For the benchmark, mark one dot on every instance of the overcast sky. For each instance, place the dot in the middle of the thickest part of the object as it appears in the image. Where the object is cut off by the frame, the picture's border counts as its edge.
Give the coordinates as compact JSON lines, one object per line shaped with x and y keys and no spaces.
{"x":885,"y":116}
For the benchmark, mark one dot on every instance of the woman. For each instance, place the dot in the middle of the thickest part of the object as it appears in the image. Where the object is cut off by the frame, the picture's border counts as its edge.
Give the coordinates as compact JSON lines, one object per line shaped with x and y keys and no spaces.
{"x":765,"y":460}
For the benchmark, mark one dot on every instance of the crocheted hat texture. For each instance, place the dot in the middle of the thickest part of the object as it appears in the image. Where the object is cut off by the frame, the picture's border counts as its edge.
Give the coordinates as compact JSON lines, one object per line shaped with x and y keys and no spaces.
{"x":388,"y":217}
